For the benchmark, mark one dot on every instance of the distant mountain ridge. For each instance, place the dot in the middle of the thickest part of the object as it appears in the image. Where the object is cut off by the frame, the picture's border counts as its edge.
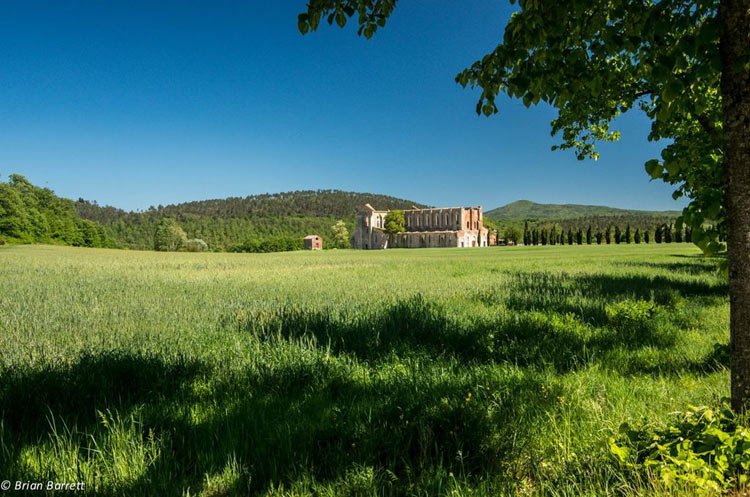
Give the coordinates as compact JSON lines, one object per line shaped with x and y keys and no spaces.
{"x":523,"y":210}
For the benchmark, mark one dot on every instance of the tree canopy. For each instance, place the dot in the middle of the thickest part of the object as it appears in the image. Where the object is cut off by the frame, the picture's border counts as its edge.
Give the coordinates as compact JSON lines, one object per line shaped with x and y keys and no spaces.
{"x":340,"y":235}
{"x":395,"y":222}
{"x":29,"y":214}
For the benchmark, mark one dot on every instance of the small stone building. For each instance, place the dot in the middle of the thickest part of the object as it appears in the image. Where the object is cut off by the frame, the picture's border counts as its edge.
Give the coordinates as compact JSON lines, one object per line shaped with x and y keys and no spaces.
{"x":313,"y":242}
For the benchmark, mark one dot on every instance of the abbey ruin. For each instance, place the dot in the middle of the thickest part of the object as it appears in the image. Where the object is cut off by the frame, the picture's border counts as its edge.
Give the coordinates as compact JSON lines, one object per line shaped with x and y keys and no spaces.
{"x":442,"y":227}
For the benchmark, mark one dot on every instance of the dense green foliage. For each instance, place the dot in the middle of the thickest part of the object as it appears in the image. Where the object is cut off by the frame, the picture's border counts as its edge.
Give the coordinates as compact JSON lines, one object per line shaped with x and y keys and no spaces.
{"x":169,"y":236}
{"x":270,"y":244}
{"x":29,"y":214}
{"x":196,"y":245}
{"x":341,"y":235}
{"x":233,"y":223}
{"x":395,"y":222}
{"x":494,"y":371}
{"x":601,"y":231}
{"x":703,"y":451}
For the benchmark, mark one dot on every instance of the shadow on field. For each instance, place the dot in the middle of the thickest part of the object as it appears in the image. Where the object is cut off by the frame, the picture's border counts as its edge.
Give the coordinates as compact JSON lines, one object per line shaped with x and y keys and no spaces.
{"x":315,"y":420}
{"x":69,"y":402}
{"x":659,"y":288}
{"x":700,"y":266}
{"x":587,"y":296}
{"x":95,"y":383}
{"x":307,"y":417}
{"x":548,"y":326}
{"x":716,"y":360}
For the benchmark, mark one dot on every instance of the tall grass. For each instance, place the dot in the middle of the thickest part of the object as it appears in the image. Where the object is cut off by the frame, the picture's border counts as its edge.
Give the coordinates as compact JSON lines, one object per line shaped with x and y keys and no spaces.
{"x":498,"y":371}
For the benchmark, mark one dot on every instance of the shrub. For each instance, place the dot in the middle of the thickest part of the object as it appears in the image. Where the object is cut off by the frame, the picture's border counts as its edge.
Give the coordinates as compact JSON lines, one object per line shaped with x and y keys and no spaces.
{"x":196,"y":245}
{"x":703,"y":449}
{"x":273,"y":244}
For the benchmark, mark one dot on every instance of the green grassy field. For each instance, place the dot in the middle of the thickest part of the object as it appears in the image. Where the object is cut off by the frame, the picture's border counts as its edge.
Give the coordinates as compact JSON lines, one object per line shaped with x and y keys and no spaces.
{"x":498,"y":371}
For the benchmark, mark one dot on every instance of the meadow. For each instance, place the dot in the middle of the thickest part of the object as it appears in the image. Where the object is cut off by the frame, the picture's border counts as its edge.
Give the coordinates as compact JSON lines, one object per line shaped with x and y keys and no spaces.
{"x":495,"y":371}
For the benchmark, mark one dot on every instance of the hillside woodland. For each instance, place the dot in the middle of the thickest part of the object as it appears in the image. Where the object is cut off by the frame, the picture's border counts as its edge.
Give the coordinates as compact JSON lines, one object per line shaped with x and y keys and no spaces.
{"x":30,"y":214}
{"x":278,"y":222}
{"x":259,"y":223}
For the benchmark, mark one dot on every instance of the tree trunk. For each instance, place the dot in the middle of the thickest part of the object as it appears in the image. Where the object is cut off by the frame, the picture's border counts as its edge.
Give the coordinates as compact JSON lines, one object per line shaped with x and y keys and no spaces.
{"x":735,"y":90}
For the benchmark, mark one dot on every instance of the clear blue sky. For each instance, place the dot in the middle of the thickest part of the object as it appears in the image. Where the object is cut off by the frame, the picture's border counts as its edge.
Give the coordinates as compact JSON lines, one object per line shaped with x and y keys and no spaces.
{"x":143,"y":103}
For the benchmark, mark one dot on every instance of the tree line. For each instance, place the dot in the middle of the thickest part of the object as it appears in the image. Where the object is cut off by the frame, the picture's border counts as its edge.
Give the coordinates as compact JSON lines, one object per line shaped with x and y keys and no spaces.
{"x":30,"y":214}
{"x":307,"y":203}
{"x":256,"y":224}
{"x":611,"y":234}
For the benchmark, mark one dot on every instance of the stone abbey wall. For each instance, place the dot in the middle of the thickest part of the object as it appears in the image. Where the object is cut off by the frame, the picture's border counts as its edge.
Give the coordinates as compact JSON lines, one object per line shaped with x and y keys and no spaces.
{"x":442,"y":227}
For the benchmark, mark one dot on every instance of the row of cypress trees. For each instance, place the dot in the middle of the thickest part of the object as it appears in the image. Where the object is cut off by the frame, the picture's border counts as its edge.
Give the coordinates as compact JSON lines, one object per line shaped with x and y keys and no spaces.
{"x":664,"y":233}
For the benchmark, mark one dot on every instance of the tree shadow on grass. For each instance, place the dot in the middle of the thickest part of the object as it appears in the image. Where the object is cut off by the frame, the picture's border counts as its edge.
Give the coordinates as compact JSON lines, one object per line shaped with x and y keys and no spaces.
{"x":698,"y":267}
{"x":40,"y":405}
{"x":540,"y":334}
{"x":659,"y":288}
{"x":717,"y":360}
{"x":587,"y":296}
{"x":309,"y":416}
{"x":94,"y":383}
{"x":405,"y":426}
{"x":544,"y":320}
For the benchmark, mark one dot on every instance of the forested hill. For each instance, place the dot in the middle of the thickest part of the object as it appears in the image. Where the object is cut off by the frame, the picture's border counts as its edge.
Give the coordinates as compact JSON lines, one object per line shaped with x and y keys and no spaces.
{"x":525,"y":210}
{"x":315,"y":203}
{"x":30,"y":214}
{"x":225,"y":223}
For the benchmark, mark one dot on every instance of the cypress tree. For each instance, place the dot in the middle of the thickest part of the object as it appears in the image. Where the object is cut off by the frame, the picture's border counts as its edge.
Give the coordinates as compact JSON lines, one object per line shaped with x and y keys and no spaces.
{"x":688,"y":234}
{"x":608,"y":234}
{"x":646,"y":236}
{"x":667,"y":233}
{"x":628,"y":238}
{"x":618,"y":235}
{"x":658,"y":234}
{"x":570,"y":236}
{"x":588,"y":235}
{"x":678,"y":233}
{"x":579,"y":237}
{"x":637,"y":236}
{"x":599,"y":236}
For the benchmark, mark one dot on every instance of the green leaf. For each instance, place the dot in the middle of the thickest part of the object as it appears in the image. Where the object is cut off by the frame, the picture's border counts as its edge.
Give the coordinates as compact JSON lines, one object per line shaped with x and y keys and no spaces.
{"x":654,"y":168}
{"x":340,"y":19}
{"x":672,"y":90}
{"x":302,"y":23}
{"x":621,"y":453}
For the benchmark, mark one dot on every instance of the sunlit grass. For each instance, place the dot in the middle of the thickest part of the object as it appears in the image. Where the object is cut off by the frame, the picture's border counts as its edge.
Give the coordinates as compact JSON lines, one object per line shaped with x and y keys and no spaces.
{"x":497,"y":371}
